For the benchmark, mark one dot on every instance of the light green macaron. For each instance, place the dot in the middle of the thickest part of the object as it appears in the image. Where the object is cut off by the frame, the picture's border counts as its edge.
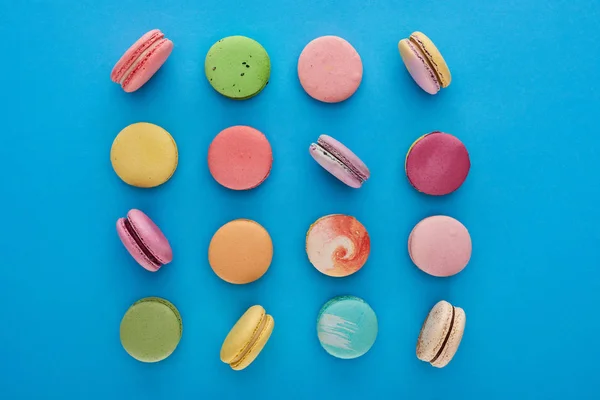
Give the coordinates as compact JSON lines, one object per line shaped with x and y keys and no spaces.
{"x":237,"y":67}
{"x":151,"y":329}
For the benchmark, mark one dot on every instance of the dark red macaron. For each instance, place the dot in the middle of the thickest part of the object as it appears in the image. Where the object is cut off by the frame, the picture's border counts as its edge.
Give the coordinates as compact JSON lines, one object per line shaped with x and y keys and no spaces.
{"x":437,"y":164}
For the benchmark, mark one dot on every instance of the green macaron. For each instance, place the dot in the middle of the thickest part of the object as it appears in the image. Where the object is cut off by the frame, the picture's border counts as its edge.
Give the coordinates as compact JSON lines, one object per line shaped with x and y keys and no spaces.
{"x":151,"y":329}
{"x":237,"y":67}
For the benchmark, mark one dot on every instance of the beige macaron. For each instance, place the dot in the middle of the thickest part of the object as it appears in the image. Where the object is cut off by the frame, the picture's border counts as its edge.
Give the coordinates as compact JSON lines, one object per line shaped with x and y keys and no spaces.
{"x":441,"y":334}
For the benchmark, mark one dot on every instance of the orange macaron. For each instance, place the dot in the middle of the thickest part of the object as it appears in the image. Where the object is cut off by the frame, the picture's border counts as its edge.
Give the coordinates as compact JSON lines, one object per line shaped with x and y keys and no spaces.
{"x":240,"y":251}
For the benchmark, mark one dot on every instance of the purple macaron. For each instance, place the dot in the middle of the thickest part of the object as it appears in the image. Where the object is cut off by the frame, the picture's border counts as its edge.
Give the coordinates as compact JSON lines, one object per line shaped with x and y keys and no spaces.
{"x":144,"y":240}
{"x":339,"y":161}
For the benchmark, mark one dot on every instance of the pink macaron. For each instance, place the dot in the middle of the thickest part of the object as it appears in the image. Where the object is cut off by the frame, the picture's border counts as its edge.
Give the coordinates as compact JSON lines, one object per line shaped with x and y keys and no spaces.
{"x":339,"y":161}
{"x":141,"y":61}
{"x":437,"y":164}
{"x":144,"y":240}
{"x":440,"y":246}
{"x":330,"y":69}
{"x":240,"y":158}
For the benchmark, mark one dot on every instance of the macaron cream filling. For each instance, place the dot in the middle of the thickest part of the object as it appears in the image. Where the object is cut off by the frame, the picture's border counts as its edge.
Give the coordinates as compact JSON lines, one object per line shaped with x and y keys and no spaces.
{"x":255,"y":336}
{"x":440,"y":351}
{"x":138,"y":63}
{"x":327,"y":149}
{"x":140,"y":243}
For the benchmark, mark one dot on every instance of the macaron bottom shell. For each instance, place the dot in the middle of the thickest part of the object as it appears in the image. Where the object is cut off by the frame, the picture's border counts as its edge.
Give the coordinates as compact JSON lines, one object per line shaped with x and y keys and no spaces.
{"x":247,"y":338}
{"x":151,"y":329}
{"x":347,"y":327}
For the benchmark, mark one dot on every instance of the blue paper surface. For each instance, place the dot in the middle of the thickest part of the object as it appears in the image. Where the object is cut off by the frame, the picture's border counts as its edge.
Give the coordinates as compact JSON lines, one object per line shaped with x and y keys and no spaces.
{"x":524,"y":99}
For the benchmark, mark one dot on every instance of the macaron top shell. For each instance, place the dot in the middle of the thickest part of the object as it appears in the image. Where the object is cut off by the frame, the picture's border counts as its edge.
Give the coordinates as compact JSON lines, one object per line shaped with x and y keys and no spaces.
{"x":347,"y":327}
{"x":441,"y":334}
{"x":240,"y":158}
{"x":240,"y":251}
{"x":337,"y":245}
{"x":237,"y":67}
{"x":141,"y":61}
{"x":151,"y":329}
{"x":247,"y":338}
{"x":144,"y":240}
{"x":144,"y":155}
{"x":330,"y":69}
{"x":437,"y":164}
{"x":440,"y":246}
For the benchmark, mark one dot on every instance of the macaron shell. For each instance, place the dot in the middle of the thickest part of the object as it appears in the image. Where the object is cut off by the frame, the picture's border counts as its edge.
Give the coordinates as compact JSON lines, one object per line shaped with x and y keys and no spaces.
{"x":258,"y":346}
{"x":434,"y":57}
{"x":151,"y":329}
{"x":434,"y":331}
{"x":237,"y":67}
{"x":144,"y":155}
{"x":148,"y":66}
{"x":418,"y":68}
{"x":151,"y":236}
{"x":240,"y":251}
{"x":440,"y":246}
{"x":330,"y":69}
{"x":133,"y":248}
{"x":338,"y":245}
{"x":347,"y":327}
{"x":240,"y":158}
{"x":454,"y":339}
{"x":334,"y":166}
{"x":437,"y":164}
{"x":347,"y":154}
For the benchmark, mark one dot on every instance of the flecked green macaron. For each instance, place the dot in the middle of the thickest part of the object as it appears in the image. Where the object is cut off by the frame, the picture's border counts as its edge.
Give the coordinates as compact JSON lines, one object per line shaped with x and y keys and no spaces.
{"x":151,"y":329}
{"x":237,"y":67}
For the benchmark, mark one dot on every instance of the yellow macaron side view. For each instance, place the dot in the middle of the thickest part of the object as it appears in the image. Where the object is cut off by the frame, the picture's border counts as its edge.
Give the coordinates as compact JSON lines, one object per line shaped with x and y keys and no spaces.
{"x":144,"y":155}
{"x":247,"y":338}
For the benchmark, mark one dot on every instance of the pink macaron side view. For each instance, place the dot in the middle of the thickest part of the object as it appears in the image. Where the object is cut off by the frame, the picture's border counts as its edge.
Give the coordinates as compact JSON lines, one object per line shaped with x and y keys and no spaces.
{"x":141,"y":61}
{"x":440,"y":246}
{"x":339,"y":161}
{"x":144,"y":240}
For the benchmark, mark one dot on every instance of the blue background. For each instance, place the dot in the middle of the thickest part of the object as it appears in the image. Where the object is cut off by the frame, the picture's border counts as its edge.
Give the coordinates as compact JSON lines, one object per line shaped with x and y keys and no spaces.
{"x":524,"y":99}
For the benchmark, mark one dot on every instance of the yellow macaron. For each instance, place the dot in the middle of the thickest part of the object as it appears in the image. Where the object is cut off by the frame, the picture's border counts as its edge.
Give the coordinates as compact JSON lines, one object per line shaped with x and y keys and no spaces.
{"x":144,"y":155}
{"x":247,"y":338}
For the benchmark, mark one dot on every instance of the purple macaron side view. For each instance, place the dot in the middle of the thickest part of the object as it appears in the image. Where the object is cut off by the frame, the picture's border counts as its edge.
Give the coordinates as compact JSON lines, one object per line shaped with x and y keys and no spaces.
{"x":144,"y":240}
{"x":339,"y":161}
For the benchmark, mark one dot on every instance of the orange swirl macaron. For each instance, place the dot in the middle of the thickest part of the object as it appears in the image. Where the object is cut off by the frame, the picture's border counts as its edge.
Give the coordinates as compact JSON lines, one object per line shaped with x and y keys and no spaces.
{"x":338,"y":245}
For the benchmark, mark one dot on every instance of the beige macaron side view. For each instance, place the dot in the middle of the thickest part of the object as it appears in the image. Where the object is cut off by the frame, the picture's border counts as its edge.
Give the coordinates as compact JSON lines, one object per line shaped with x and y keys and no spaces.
{"x":247,"y":338}
{"x":441,"y":334}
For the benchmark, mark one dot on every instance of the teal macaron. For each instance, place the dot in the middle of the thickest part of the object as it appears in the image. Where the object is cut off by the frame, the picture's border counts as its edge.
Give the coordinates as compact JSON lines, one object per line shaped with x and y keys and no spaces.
{"x":347,"y":327}
{"x":151,"y":329}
